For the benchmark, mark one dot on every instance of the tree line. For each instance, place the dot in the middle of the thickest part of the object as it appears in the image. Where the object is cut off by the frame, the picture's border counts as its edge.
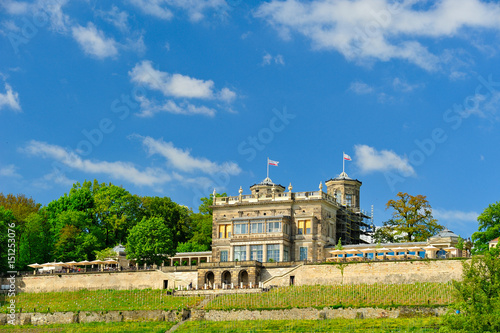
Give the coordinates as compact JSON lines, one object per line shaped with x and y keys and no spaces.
{"x":93,"y":218}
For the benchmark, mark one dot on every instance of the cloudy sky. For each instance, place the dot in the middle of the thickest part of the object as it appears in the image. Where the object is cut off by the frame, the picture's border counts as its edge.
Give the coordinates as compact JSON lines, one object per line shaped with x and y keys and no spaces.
{"x":177,"y":97}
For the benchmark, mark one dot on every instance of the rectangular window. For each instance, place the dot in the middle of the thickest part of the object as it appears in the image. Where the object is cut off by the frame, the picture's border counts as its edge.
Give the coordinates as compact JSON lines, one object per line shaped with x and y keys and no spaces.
{"x":224,"y":256}
{"x":240,"y":228}
{"x":273,"y":252}
{"x":304,"y":227}
{"x":286,"y":253}
{"x":308,"y":227}
{"x":240,"y":253}
{"x":348,"y":200}
{"x":303,"y":253}
{"x":273,"y":226}
{"x":224,"y":230}
{"x":256,"y":252}
{"x":257,"y":228}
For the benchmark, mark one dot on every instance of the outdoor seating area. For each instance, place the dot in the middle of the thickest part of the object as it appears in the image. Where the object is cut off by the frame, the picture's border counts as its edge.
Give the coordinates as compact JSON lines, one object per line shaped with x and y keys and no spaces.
{"x":75,"y":267}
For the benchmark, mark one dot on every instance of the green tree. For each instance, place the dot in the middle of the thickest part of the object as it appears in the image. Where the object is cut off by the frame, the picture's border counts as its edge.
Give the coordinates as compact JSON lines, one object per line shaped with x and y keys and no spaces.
{"x":190,"y":247}
{"x":115,"y":211}
{"x":105,"y":254}
{"x":35,"y":245}
{"x":150,"y":241}
{"x":489,"y":228}
{"x":412,"y":218}
{"x":478,"y":296}
{"x":7,"y":225}
{"x":385,"y":235}
{"x":175,"y":217}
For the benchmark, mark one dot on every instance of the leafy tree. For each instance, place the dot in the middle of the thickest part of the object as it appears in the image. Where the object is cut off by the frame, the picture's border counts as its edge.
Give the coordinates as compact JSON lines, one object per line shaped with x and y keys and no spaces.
{"x":174,"y":216}
{"x":412,"y":218}
{"x":7,"y":221}
{"x":74,"y":241}
{"x":339,"y":244}
{"x":20,"y":206}
{"x":206,"y":203}
{"x":150,"y":241}
{"x":115,"y":212}
{"x":489,"y":228}
{"x":35,"y":245}
{"x":478,"y":296}
{"x":385,"y":235}
{"x":105,"y":254}
{"x":190,"y":247}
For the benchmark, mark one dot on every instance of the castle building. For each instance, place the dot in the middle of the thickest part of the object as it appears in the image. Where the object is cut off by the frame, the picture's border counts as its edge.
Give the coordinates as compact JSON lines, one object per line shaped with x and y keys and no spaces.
{"x":274,"y":225}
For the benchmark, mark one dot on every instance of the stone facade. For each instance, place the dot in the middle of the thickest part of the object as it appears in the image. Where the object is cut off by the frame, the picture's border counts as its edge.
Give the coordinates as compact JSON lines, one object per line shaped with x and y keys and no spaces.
{"x":221,"y":274}
{"x":273,"y":225}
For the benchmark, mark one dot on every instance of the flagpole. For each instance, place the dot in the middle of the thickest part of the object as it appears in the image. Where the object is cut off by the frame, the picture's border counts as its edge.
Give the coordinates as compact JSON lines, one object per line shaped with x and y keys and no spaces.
{"x":343,"y":163}
{"x":268,"y":167}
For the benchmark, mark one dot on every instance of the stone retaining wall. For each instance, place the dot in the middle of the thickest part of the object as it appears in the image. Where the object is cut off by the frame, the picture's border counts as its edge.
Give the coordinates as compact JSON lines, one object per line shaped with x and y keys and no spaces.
{"x":90,"y":317}
{"x":387,"y":272}
{"x":218,"y":315}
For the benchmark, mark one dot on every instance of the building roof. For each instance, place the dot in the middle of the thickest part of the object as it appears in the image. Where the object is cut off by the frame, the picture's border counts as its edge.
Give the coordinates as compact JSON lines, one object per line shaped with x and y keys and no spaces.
{"x":119,"y":248}
{"x":494,"y":240}
{"x":445,"y":233}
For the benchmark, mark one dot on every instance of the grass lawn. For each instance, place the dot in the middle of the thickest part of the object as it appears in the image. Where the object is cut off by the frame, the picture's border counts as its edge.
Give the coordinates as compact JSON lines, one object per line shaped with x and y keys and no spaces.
{"x":335,"y":325}
{"x":363,"y":295}
{"x":101,"y":300}
{"x":153,"y":326}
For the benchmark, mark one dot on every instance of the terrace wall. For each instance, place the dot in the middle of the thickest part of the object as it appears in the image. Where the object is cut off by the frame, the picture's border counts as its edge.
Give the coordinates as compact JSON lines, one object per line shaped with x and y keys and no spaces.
{"x":111,"y":280}
{"x":395,"y":272}
{"x":388,"y":272}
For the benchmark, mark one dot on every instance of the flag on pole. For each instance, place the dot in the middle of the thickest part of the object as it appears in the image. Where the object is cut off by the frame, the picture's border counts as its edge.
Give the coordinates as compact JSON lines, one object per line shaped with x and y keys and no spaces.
{"x":271,"y":162}
{"x":347,"y":157}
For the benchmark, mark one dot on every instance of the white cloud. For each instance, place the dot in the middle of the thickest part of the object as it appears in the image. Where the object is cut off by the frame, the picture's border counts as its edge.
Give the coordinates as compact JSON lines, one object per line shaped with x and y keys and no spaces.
{"x":455,"y":215}
{"x":150,"y":108}
{"x":9,"y":171}
{"x":368,"y":159}
{"x":402,"y":85}
{"x":53,"y":8}
{"x":194,"y":8}
{"x":153,"y":8}
{"x":116,"y":17}
{"x":268,"y":59}
{"x":10,"y":99}
{"x":176,"y":86}
{"x":380,"y":29}
{"x":182,"y":160}
{"x":124,"y":171}
{"x":15,"y":7}
{"x":360,"y":88}
{"x":94,"y":42}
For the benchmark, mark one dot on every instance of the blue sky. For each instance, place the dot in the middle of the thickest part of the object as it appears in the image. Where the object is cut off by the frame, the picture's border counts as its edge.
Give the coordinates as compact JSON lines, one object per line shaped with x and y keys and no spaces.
{"x":176,"y":97}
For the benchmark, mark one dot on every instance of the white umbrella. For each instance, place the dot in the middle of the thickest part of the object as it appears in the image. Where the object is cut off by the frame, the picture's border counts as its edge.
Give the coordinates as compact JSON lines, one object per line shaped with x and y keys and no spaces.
{"x":369,"y":250}
{"x":352,"y":251}
{"x":97,"y":262}
{"x":431,"y":248}
{"x":85,"y":262}
{"x":110,"y":261}
{"x":48,"y":264}
{"x":383,"y":250}
{"x":35,"y":265}
{"x":71,"y":263}
{"x":449,"y":249}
